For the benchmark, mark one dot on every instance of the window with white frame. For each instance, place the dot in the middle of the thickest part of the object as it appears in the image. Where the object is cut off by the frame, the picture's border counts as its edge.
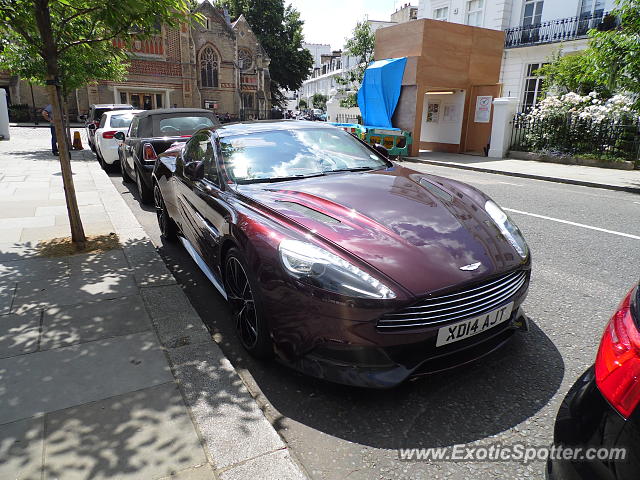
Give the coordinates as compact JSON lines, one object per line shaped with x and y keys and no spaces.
{"x":533,"y":88}
{"x":441,"y":13}
{"x":532,"y":13}
{"x":475,"y":12}
{"x":591,"y":7}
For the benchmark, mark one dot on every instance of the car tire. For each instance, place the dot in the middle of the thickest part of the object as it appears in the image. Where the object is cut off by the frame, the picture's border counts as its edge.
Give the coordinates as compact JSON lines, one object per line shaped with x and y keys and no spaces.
{"x":125,"y":176}
{"x":146,"y":195}
{"x":168,"y":228}
{"x":245,"y":300}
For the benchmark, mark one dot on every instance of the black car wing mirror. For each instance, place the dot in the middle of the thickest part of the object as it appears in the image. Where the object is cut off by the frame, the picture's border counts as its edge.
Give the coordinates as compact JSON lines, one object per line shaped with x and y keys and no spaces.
{"x":194,"y":170}
{"x":381,"y":150}
{"x":120,"y":136}
{"x":91,"y":126}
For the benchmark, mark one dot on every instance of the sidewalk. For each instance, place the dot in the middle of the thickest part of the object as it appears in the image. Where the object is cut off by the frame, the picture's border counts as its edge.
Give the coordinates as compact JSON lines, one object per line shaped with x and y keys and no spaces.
{"x":623,"y":180}
{"x":106,"y":370}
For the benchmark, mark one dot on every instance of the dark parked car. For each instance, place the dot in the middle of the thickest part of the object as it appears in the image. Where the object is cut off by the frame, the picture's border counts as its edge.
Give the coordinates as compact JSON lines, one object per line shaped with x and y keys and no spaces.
{"x":345,"y":265}
{"x":95,"y":114}
{"x":601,"y":410}
{"x":151,"y":133}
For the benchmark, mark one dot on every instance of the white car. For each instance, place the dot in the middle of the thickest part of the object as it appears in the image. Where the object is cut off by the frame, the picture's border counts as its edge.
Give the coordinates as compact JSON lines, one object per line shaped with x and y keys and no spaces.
{"x":106,"y":145}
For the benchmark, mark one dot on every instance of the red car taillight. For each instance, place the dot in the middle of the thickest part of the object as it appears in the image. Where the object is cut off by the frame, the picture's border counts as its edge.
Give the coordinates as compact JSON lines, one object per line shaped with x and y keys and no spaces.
{"x":109,"y":134}
{"x":618,"y":360}
{"x":148,"y":152}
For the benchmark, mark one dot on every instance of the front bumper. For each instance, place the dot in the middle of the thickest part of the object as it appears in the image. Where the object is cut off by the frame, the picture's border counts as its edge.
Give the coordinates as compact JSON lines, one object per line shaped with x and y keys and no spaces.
{"x":341,"y":342}
{"x":352,"y":365}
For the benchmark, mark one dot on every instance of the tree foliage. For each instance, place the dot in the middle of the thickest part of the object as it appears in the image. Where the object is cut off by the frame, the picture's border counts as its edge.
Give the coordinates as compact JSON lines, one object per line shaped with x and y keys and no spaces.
{"x":611,"y":63}
{"x":319,"y":101}
{"x":569,"y":73}
{"x":361,"y":45}
{"x":58,"y":34}
{"x":279,"y":30}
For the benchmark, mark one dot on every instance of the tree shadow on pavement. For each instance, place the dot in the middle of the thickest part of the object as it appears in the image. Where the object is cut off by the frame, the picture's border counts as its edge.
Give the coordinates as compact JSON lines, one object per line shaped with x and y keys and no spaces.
{"x":83,"y":372}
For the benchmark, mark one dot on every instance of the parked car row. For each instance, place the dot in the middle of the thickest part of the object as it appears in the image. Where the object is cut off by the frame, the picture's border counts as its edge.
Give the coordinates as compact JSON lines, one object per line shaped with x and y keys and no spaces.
{"x":352,"y":268}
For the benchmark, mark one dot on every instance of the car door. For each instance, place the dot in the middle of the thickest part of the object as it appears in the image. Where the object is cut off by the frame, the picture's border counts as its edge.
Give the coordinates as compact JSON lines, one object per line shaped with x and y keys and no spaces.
{"x":128,"y":146}
{"x":200,"y":198}
{"x":191,"y":226}
{"x":211,"y":208}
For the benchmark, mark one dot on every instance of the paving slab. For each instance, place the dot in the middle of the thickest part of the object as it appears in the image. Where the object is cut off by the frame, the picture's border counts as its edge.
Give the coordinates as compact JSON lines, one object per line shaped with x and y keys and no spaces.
{"x":145,"y":434}
{"x":19,"y":334}
{"x":87,"y":322}
{"x":29,"y":269}
{"x":232,"y":425}
{"x":167,"y":301}
{"x":204,"y":472}
{"x":65,"y":377}
{"x":21,"y":448}
{"x":11,"y":250}
{"x":276,"y":465}
{"x":73,"y":290}
{"x":148,"y":268}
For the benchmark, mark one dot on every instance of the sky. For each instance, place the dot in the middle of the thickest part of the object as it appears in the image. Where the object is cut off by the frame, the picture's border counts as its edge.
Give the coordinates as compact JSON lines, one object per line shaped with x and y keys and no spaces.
{"x":332,"y":21}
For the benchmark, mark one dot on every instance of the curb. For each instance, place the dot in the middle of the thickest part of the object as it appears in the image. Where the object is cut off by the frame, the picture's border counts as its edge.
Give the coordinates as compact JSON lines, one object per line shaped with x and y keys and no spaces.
{"x":461,"y":166}
{"x":238,"y":439}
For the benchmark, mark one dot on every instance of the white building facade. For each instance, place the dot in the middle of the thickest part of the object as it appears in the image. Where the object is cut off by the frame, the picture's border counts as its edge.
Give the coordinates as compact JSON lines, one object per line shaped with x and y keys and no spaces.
{"x":534,"y":31}
{"x":335,"y":64}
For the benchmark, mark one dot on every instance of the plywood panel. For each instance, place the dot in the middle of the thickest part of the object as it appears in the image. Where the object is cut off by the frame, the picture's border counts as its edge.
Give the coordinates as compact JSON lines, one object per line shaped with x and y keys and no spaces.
{"x":404,"y":40}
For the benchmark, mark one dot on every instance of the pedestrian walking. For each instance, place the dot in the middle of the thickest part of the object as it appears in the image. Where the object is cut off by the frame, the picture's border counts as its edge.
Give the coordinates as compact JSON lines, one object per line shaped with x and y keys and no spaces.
{"x":47,"y":114}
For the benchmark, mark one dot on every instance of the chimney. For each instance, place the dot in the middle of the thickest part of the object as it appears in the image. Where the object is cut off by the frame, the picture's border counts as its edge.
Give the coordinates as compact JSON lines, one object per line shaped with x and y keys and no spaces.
{"x":226,"y":15}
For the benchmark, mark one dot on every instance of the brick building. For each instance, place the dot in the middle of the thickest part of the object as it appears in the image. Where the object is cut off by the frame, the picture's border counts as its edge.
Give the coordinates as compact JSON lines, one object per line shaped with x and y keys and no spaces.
{"x":219,"y":65}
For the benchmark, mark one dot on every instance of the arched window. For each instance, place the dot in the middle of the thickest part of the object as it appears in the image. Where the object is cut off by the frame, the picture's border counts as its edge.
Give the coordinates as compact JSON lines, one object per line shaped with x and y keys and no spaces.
{"x":209,"y":67}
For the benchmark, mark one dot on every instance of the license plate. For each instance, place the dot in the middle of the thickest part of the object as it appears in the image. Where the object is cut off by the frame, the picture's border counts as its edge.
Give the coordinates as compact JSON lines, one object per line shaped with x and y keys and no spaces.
{"x":473,"y":326}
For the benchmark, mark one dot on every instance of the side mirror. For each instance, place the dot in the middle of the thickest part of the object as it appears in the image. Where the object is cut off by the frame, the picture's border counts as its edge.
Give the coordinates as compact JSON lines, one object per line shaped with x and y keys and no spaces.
{"x":381,"y":150}
{"x":119,"y":136}
{"x":91,"y":126}
{"x":194,"y":170}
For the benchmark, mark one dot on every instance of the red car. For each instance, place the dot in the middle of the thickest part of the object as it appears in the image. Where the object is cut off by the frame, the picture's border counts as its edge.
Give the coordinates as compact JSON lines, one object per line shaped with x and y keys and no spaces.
{"x":343,"y":264}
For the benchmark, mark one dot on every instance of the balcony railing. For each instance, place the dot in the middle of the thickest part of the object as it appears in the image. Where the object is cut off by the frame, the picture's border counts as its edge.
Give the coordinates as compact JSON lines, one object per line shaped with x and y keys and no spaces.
{"x":560,"y":30}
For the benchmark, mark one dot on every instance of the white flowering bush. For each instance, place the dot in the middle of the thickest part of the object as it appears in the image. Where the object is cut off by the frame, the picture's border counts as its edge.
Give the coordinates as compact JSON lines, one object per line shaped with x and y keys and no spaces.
{"x":582,"y":124}
{"x":587,"y":107}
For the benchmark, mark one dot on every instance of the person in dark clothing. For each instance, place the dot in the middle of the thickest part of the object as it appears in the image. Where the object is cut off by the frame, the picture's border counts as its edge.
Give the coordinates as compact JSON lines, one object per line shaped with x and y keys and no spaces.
{"x":47,"y":114}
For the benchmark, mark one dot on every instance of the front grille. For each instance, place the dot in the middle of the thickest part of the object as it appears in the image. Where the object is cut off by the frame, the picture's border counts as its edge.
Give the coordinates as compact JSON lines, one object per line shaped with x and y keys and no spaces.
{"x":468,"y":303}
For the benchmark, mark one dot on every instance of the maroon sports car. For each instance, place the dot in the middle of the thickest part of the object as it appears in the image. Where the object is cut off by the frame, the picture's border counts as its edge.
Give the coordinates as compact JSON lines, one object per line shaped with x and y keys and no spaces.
{"x":343,"y":264}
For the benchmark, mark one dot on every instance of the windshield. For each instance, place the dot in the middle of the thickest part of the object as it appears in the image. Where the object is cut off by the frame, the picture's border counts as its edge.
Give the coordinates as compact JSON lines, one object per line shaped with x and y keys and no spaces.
{"x":277,"y":154}
{"x":121,"y":121}
{"x":172,"y":126}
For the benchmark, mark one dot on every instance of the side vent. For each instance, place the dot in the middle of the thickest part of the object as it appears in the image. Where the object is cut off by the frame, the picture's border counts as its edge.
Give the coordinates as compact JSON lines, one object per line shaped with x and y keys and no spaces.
{"x":309,"y":212}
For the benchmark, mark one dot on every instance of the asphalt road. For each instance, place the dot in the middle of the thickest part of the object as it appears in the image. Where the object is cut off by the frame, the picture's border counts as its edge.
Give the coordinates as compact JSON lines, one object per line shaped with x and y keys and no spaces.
{"x":512,"y":396}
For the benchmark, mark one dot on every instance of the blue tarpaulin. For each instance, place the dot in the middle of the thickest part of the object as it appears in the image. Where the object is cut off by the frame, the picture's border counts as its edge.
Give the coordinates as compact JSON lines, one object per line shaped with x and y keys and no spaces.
{"x":380,"y":91}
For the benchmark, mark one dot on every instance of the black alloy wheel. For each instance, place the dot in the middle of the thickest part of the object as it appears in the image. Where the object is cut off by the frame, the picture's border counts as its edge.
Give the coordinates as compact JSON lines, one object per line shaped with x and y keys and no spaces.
{"x":167,"y":226}
{"x":244,"y":298}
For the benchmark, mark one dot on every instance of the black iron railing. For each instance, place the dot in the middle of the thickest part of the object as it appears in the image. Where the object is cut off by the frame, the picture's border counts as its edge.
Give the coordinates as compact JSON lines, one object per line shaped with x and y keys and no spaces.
{"x":560,"y":30}
{"x":573,"y":135}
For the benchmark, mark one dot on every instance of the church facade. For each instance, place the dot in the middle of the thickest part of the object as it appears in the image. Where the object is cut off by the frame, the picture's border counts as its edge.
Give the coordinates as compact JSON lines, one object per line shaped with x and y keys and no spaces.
{"x":218,"y":64}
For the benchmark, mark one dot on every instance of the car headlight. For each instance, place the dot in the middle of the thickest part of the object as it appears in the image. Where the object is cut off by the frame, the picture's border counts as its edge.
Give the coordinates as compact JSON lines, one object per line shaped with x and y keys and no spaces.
{"x":325,"y":270}
{"x":508,"y":229}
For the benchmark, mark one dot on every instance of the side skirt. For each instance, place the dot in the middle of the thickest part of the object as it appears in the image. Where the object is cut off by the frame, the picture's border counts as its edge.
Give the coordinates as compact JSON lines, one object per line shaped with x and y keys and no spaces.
{"x":203,"y":266}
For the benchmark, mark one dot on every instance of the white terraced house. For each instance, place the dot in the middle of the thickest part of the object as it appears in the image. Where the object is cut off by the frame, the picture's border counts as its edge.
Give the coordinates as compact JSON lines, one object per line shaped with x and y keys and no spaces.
{"x":534,"y":31}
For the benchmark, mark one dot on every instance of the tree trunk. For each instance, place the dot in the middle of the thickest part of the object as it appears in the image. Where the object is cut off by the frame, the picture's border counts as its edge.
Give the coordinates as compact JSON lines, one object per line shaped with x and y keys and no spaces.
{"x":67,"y":120}
{"x":50,"y":55}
